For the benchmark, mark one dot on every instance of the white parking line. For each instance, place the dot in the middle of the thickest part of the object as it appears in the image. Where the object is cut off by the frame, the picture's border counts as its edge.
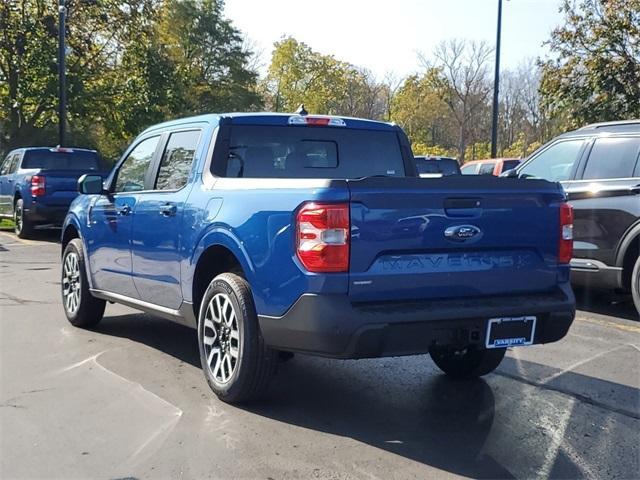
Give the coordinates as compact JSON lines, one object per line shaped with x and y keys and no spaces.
{"x":580,"y":363}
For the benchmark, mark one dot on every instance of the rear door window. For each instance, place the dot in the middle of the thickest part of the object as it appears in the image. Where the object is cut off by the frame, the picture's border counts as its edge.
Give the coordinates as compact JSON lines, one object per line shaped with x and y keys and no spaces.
{"x":177,"y":158}
{"x":555,"y":163}
{"x":486,"y":168}
{"x":5,"y":168}
{"x":268,"y":151}
{"x":12,"y":164}
{"x":612,"y":158}
{"x":469,"y":169}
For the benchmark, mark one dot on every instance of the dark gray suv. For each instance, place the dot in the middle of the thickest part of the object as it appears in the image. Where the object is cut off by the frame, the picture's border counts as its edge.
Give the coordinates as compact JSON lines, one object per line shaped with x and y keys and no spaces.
{"x":599,"y":167}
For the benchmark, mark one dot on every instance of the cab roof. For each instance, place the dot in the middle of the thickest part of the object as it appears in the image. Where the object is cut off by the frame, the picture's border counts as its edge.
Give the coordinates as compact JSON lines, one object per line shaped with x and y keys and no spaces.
{"x":269,"y":118}
{"x":622,"y":126}
{"x":52,"y":149}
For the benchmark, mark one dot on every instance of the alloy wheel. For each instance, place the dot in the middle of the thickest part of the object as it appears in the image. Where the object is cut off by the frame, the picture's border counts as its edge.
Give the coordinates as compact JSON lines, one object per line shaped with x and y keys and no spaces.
{"x":221,"y":338}
{"x":71,"y":283}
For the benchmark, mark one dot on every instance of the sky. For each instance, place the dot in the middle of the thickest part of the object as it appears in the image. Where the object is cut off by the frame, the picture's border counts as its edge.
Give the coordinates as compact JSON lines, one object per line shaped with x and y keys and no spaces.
{"x":385,"y":36}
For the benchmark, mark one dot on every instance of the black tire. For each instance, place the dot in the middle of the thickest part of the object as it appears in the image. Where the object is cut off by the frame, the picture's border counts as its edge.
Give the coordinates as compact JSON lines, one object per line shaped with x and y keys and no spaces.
{"x":255,"y":363}
{"x":635,"y":285}
{"x":88,"y":309}
{"x":22,"y":225}
{"x":468,"y":363}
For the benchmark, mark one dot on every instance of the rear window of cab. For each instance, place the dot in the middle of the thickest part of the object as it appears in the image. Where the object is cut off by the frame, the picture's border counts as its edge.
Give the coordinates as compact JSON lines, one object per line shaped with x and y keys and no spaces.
{"x":61,"y":160}
{"x":272,"y":151}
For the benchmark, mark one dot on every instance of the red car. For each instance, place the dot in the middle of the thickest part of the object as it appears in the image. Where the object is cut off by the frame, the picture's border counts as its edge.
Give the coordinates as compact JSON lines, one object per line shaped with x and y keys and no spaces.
{"x":490,"y":166}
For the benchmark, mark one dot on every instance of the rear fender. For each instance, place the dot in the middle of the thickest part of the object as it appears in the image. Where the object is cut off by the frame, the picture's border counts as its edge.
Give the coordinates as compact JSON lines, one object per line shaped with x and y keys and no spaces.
{"x":216,"y":237}
{"x":631,"y":235}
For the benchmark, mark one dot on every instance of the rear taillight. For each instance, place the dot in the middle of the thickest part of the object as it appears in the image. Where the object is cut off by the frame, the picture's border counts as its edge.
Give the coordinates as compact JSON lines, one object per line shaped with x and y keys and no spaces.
{"x":565,"y":247}
{"x":37,"y":186}
{"x":322,"y":242}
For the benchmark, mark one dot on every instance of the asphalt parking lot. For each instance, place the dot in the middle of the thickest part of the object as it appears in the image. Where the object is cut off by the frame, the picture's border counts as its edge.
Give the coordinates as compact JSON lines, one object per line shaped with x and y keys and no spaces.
{"x":129,"y":400}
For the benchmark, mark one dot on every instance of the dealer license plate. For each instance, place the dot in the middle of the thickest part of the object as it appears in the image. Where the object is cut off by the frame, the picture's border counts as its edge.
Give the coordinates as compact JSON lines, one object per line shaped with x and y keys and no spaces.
{"x":510,"y":332}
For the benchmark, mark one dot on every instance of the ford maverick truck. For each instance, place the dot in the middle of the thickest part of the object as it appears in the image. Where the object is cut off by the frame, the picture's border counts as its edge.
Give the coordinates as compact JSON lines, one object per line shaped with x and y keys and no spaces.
{"x":37,"y":185}
{"x":280,"y":233}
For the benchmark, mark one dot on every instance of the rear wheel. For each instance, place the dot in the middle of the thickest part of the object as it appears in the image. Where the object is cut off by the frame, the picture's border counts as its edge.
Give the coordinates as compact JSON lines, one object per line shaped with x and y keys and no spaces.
{"x":22,"y":225}
{"x":635,"y":284}
{"x":81,"y":308}
{"x":235,"y":360}
{"x":468,"y":362}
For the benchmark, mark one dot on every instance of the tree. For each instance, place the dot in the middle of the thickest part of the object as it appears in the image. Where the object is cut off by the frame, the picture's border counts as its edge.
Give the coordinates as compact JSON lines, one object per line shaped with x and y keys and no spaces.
{"x":131,"y":63}
{"x":418,"y":107}
{"x":463,"y":85}
{"x":28,"y":68}
{"x":209,"y":56}
{"x":595,"y":70}
{"x":298,"y":75}
{"x":364,"y":96}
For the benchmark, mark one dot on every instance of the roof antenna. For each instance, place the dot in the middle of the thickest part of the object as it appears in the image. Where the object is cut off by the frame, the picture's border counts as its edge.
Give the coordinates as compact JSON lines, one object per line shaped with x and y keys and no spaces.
{"x":301,"y":110}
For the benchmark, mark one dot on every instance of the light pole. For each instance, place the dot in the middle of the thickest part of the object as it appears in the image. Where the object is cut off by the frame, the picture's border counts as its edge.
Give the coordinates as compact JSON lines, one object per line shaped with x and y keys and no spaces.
{"x":62,"y":95}
{"x":496,"y":88}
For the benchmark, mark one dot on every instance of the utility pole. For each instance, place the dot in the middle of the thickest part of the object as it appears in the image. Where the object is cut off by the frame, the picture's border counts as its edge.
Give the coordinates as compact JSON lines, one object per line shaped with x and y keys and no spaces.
{"x":62,"y":102}
{"x":496,"y":88}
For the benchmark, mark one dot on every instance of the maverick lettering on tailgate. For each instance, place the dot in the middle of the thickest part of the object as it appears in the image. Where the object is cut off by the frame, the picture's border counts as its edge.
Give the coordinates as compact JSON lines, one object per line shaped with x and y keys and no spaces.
{"x":454,"y":262}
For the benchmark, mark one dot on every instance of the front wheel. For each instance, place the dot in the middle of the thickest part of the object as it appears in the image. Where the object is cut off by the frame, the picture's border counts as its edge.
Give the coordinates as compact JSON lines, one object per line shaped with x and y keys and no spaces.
{"x":235,"y":360}
{"x":468,"y":362}
{"x":81,"y":308}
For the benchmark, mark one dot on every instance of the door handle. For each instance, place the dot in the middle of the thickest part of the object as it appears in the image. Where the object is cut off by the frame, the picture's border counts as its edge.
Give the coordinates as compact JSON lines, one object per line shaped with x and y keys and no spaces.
{"x":126,"y":210}
{"x":168,"y":210}
{"x":635,"y":189}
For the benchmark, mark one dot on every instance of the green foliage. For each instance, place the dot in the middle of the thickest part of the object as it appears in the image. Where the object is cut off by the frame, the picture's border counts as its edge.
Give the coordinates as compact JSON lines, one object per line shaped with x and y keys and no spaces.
{"x":208,"y":57}
{"x":595,"y":71}
{"x":132,"y":63}
{"x":298,"y":75}
{"x":521,"y":148}
{"x":478,"y":151}
{"x":419,"y":108}
{"x":435,"y":150}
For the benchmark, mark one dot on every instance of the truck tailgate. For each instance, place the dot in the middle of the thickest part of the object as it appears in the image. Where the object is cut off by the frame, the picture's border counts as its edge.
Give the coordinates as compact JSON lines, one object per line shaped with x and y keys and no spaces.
{"x":61,"y":186}
{"x":462,"y":236}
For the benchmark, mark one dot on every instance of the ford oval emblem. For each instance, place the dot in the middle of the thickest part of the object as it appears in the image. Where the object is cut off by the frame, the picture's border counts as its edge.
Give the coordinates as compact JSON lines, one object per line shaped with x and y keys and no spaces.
{"x":463,"y":233}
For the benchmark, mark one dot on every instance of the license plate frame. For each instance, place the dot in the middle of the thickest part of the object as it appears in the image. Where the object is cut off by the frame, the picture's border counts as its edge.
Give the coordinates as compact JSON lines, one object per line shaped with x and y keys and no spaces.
{"x":522,"y":329}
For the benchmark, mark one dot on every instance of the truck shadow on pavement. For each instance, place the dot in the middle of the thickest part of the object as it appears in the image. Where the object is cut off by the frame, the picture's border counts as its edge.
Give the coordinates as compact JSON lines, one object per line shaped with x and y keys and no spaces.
{"x":605,"y":303}
{"x":51,"y":235}
{"x":510,"y":425}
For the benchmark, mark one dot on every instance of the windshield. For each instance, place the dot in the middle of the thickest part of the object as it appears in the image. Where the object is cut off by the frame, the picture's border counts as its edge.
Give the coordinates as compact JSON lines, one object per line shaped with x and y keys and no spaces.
{"x":443,"y":166}
{"x":54,"y":160}
{"x":266,"y":151}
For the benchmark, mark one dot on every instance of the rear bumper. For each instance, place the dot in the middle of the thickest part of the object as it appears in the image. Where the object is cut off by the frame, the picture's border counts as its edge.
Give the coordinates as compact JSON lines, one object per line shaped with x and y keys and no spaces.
{"x":47,"y":214}
{"x":595,"y":274}
{"x":330,"y":325}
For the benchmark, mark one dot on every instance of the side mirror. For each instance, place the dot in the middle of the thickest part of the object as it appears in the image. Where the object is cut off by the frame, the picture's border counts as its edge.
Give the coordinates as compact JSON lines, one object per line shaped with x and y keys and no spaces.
{"x":89,"y":184}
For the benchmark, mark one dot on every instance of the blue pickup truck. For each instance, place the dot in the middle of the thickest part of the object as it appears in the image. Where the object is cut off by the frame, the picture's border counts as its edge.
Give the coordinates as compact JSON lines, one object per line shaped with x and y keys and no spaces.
{"x":275,"y":233}
{"x":37,"y":184}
